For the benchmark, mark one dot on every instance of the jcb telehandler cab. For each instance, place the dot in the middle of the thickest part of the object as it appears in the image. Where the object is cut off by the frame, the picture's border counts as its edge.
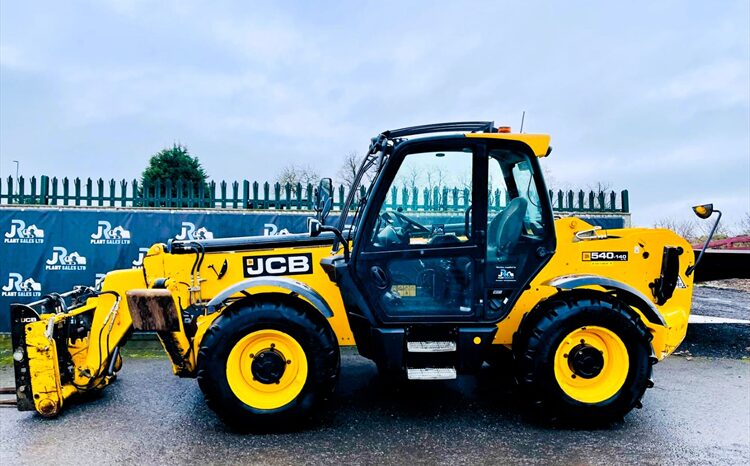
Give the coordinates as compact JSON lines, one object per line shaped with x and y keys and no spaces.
{"x":426,"y":292}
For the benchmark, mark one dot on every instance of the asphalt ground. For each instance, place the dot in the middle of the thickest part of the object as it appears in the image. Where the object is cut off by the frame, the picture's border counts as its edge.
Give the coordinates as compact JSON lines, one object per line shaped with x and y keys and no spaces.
{"x":716,"y":301}
{"x":719,"y":340}
{"x":698,"y":413}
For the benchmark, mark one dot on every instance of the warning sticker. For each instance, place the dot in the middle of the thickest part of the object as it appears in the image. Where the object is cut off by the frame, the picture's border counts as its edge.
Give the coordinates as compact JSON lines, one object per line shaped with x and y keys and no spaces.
{"x":680,"y":283}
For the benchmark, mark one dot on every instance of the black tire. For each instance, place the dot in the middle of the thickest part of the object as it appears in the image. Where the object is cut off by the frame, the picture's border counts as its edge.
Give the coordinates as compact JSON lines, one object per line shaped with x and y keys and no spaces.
{"x":311,"y":331}
{"x":543,"y":330}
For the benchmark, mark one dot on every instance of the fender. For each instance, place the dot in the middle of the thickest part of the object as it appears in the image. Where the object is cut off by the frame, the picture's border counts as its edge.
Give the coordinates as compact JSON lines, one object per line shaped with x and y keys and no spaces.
{"x":624,"y":291}
{"x":293,"y":286}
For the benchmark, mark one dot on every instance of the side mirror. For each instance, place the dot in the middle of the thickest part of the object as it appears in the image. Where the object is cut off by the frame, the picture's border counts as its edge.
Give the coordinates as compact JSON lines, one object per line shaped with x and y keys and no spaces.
{"x":314,"y":228}
{"x":704,"y":211}
{"x":324,"y":199}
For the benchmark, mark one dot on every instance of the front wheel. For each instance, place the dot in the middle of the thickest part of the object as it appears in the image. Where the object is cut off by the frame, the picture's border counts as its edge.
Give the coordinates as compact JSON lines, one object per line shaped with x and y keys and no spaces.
{"x":583,"y":358}
{"x":267,"y":365}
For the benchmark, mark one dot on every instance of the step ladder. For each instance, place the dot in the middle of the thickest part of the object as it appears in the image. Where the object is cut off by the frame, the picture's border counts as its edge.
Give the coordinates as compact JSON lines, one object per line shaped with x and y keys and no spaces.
{"x":431,"y":346}
{"x":423,"y":348}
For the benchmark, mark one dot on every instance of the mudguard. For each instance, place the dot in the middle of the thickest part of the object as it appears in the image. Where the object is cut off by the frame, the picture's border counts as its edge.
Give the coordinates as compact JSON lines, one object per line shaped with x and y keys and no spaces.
{"x":293,"y":286}
{"x":625,"y":292}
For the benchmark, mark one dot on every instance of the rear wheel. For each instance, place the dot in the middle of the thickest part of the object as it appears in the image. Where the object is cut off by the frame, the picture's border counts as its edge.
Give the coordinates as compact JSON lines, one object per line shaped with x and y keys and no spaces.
{"x":583,"y":358}
{"x":267,"y":365}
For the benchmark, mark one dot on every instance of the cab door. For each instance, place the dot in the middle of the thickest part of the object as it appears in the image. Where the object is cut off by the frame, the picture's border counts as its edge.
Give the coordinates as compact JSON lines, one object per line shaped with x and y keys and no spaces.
{"x":520,"y":225}
{"x":419,"y":253}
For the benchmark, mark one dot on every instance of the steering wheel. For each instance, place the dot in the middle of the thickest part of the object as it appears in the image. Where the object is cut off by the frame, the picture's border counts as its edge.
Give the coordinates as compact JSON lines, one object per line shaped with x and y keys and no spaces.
{"x":399,"y":220}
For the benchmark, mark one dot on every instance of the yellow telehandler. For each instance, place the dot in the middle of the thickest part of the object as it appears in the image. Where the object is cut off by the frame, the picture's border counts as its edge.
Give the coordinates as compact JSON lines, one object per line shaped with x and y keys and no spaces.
{"x":578,"y":314}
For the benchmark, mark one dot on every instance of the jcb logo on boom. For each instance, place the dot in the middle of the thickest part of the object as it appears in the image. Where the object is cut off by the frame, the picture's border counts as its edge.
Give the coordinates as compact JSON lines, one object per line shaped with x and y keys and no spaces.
{"x":286,"y":264}
{"x":20,"y":233}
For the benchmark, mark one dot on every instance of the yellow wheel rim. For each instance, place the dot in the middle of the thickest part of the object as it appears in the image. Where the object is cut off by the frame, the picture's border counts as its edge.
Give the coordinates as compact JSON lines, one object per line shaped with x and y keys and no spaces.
{"x":259,"y":387}
{"x":591,"y":364}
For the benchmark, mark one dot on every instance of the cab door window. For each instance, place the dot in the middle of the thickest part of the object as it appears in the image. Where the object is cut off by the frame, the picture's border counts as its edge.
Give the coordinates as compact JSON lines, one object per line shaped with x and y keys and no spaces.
{"x":420,"y":257}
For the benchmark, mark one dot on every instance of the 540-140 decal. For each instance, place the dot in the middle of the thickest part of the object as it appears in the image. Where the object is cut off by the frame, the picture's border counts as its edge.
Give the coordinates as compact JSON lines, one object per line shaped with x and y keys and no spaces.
{"x":605,"y":256}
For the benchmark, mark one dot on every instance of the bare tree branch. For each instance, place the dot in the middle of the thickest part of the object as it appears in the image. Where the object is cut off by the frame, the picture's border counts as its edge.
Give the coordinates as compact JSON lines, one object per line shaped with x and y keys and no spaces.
{"x":293,"y":174}
{"x":743,"y":226}
{"x":685,"y":228}
{"x":348,"y":169}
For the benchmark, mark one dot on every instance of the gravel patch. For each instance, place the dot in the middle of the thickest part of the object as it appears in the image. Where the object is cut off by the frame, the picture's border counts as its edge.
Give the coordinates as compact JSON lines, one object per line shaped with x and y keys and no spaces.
{"x":739,"y":284}
{"x":721,"y":301}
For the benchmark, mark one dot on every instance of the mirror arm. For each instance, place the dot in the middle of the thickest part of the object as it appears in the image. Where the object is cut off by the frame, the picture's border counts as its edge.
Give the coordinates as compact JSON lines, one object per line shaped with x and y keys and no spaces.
{"x":691,"y":269}
{"x":340,"y":237}
{"x":315,"y":228}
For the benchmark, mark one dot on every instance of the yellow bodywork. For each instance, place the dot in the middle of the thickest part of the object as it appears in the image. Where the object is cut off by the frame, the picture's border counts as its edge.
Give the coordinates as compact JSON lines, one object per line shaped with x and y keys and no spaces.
{"x":112,"y":320}
{"x":539,"y":143}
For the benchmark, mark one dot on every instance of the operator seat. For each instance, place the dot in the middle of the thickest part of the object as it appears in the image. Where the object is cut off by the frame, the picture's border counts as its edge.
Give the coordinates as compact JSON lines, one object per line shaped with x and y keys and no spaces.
{"x":505,"y":229}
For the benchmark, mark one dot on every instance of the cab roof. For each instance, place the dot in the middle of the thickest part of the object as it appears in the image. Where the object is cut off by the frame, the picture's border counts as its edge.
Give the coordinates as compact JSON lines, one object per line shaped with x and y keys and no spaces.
{"x":538,"y":143}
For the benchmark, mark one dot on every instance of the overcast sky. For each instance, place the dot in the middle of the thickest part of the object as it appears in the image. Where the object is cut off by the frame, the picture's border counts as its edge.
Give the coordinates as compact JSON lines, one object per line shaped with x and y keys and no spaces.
{"x":649,"y":96}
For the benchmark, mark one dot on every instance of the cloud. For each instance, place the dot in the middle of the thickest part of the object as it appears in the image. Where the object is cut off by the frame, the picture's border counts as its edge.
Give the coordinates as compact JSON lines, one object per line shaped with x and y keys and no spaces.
{"x":12,"y":59}
{"x":722,"y":83}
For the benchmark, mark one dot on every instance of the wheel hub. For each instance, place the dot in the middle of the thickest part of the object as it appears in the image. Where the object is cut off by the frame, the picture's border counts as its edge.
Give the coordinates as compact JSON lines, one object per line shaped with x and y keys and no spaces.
{"x":586,"y":361}
{"x":268,"y":366}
